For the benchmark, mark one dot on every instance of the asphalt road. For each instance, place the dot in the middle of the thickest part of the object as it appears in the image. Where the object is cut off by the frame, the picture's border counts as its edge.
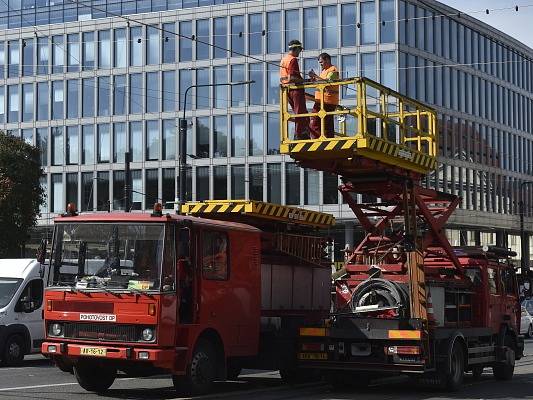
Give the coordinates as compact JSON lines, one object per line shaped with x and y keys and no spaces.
{"x":37,"y":379}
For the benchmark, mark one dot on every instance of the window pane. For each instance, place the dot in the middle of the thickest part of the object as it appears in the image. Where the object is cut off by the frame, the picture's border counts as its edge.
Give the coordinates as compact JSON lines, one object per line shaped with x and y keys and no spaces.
{"x":87,"y":144}
{"x":42,"y":144}
{"x":238,"y":139}
{"x":136,"y":49}
{"x":87,"y":191}
{"x":292,"y":25}
{"x":330,"y":188}
{"x":88,"y":51}
{"x":57,"y":193}
{"x":57,"y":145}
{"x":255,"y":179}
{"x":387,"y":21}
{"x":27,"y":102}
{"x":388,"y":70}
{"x":136,"y":94}
{"x":169,"y":43}
{"x":72,"y":188}
{"x":58,"y":98}
{"x":120,"y":48}
{"x":292,"y":183}
{"x":119,"y":195}
{"x":58,"y":54}
{"x":104,"y":49}
{"x":220,"y":75}
{"x":104,"y":106}
{"x":185,"y":44}
{"x":368,"y":65}
{"x":88,"y":97}
{"x":152,"y":92}
{"x":169,"y":185}
{"x":273,"y":84}
{"x":13,"y":103}
{"x":312,"y":181}
{"x":185,"y":82}
{"x":42,"y":101}
{"x":237,"y":35}
{"x":2,"y":105}
{"x":256,"y":91}
{"x":73,"y":144}
{"x":329,"y":27}
{"x":104,"y":142}
{"x":136,"y":141}
{"x":119,"y":94}
{"x":368,"y":23}
{"x":272,"y":133}
{"x":13,"y":58}
{"x":202,"y":183}
{"x":152,"y":187}
{"x":72,"y":98}
{"x":27,"y":56}
{"x":152,"y":48}
{"x":311,"y":28}
{"x":220,"y":182}
{"x":256,"y":135}
{"x":203,"y":38}
{"x":202,"y":93}
{"x":169,"y":90}
{"x":274,"y":32}
{"x":152,"y":140}
{"x":220,"y":136}
{"x":237,"y":182}
{"x":220,"y":37}
{"x":255,"y":35}
{"x":274,"y":183}
{"x":237,"y":92}
{"x":42,"y":55}
{"x":349,"y":18}
{"x":169,"y":139}
{"x":202,"y":137}
{"x":119,"y":141}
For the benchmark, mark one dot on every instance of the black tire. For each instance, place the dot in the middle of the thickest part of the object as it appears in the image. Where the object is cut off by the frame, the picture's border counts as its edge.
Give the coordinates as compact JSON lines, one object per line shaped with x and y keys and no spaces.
{"x":13,"y":351}
{"x":64,"y":365}
{"x":94,"y":377}
{"x":454,"y":378}
{"x":477,"y":371}
{"x":233,"y":372}
{"x":201,"y":373}
{"x":504,"y":370}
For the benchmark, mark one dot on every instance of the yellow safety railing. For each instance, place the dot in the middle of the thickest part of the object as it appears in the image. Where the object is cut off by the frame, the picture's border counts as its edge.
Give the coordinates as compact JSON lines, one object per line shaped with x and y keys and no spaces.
{"x":373,"y":121}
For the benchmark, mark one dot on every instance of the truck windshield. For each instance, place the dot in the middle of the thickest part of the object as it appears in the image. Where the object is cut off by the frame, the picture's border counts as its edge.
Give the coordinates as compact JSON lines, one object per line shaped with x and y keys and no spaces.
{"x":109,"y":256}
{"x":8,"y":287}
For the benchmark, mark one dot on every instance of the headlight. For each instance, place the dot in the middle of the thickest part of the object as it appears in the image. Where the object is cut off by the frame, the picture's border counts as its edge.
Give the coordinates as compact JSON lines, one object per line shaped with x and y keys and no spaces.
{"x":148,"y":334}
{"x":56,"y":329}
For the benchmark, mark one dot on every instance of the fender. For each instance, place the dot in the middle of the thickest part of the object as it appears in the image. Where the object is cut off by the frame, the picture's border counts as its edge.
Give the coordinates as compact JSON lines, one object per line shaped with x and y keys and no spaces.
{"x":8,"y":330}
{"x":448,"y":346}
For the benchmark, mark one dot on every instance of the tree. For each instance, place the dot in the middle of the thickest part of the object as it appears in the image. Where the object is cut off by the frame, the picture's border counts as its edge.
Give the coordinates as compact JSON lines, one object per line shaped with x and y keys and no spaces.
{"x":20,"y":193}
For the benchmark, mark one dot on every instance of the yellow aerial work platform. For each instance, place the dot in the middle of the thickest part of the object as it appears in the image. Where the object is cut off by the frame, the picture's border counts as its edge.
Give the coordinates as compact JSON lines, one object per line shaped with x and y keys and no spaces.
{"x":373,"y":123}
{"x":251,"y":211}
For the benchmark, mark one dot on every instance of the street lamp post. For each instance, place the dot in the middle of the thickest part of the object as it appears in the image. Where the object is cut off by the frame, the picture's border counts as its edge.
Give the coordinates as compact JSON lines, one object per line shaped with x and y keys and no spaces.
{"x":182,"y":160}
{"x":524,"y":239}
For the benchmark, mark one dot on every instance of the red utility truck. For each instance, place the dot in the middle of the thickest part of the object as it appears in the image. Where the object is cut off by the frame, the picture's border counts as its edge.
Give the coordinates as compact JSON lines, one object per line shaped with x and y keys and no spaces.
{"x":198,"y":298}
{"x":406,"y":301}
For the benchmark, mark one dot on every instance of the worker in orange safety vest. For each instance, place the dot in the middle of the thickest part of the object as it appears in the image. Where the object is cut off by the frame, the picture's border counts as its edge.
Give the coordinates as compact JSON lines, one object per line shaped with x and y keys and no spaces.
{"x":331,"y":97}
{"x":289,"y":73}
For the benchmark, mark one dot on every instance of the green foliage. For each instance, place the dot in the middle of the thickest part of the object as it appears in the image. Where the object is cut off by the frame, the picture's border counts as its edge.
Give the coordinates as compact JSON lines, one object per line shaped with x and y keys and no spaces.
{"x":20,"y":193}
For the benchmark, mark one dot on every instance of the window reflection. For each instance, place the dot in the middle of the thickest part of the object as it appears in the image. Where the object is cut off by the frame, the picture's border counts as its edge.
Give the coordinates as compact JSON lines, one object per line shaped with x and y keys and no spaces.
{"x":238,"y":138}
{"x":368,"y":23}
{"x":88,"y":51}
{"x":120,"y":48}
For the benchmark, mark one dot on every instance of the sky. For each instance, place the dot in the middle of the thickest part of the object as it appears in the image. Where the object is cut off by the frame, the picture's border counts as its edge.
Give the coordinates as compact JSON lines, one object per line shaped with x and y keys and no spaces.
{"x":516,"y":24}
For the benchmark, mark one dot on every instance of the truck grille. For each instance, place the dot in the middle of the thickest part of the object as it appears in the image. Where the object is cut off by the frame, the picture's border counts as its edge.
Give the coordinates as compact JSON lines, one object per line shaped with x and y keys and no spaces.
{"x":103,"y":332}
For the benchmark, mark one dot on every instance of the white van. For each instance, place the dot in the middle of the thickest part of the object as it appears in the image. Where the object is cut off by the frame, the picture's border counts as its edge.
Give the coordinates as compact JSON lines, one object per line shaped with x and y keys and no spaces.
{"x":21,"y":306}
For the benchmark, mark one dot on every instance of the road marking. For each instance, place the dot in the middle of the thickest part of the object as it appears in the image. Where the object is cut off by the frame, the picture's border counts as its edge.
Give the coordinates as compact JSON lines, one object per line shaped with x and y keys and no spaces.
{"x":51,"y":385}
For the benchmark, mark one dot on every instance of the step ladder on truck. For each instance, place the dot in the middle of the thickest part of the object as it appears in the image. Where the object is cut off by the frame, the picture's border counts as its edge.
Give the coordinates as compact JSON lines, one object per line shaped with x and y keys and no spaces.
{"x":406,"y":301}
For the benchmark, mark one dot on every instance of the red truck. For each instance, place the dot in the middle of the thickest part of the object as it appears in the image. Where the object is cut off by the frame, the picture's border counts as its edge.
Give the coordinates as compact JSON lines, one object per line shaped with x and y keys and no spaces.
{"x":198,"y":298}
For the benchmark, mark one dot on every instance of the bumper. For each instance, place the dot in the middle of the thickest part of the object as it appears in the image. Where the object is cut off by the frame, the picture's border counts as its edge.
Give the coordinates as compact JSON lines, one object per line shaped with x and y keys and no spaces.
{"x":163,"y":358}
{"x":367,"y":367}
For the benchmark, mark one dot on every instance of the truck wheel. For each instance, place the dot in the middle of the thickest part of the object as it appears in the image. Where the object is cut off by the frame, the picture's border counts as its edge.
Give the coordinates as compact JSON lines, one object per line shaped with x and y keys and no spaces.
{"x":477,"y":371}
{"x":94,"y":377}
{"x":201,"y":372}
{"x":13,"y":351}
{"x":454,"y":378}
{"x":63,"y":365}
{"x":233,"y":372}
{"x":504,"y":371}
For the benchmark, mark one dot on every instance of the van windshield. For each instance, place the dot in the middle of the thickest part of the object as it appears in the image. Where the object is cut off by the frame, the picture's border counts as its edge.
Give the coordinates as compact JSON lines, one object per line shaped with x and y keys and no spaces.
{"x":8,"y":287}
{"x":108,"y":256}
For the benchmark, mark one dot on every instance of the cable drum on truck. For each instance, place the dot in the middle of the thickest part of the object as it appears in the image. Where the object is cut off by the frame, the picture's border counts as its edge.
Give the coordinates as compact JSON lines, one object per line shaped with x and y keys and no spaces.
{"x":382,"y":293}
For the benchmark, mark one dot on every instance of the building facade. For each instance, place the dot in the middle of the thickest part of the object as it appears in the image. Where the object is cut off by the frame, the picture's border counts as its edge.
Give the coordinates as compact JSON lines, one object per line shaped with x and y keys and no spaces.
{"x":85,"y":81}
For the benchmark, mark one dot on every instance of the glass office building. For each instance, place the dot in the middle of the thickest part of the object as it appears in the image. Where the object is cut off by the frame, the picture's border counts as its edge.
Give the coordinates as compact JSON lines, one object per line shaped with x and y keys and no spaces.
{"x":85,"y":81}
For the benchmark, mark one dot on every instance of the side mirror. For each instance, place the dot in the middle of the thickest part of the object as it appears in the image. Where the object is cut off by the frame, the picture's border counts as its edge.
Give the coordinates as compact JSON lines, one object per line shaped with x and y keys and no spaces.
{"x":184,"y":243}
{"x":41,"y":251}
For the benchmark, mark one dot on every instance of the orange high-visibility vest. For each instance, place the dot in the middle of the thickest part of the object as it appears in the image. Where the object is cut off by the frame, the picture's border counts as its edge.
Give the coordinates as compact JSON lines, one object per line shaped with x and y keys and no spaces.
{"x":331,"y":93}
{"x":284,"y":68}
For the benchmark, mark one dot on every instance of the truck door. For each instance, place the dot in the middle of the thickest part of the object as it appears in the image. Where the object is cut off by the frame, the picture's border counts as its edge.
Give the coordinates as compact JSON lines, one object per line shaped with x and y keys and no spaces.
{"x":495,"y":299}
{"x":28,"y":311}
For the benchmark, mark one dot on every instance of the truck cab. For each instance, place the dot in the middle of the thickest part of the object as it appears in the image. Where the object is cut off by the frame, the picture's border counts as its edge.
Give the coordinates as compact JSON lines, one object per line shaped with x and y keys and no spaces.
{"x":21,"y":303}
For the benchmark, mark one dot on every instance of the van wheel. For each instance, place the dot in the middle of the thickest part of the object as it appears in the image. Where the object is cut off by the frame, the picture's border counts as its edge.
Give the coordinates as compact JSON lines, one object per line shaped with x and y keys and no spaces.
{"x":13,"y":351}
{"x":454,"y":378}
{"x":504,"y":370}
{"x":94,"y":377}
{"x":201,"y":372}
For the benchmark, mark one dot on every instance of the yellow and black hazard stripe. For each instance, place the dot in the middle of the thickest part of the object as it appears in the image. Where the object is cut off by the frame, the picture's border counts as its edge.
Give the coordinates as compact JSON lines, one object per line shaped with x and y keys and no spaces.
{"x":324,"y":145}
{"x":261,"y":210}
